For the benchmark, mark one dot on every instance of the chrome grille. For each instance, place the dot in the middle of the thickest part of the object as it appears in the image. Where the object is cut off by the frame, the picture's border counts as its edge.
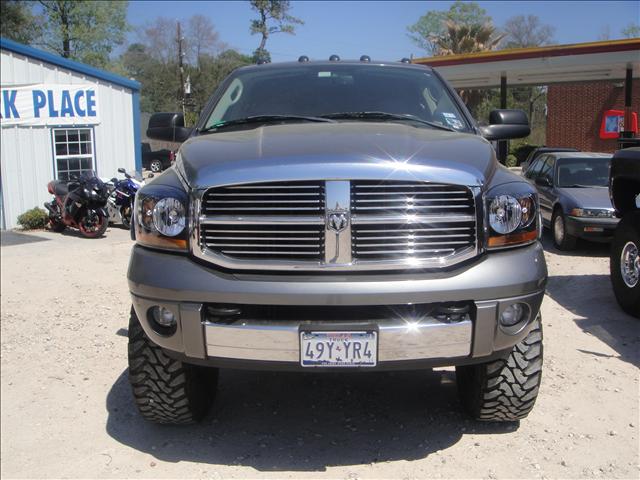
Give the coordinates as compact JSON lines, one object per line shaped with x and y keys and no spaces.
{"x":391,"y":225}
{"x":250,"y":221}
{"x":292,"y":198}
{"x":303,"y":242}
{"x":411,"y":220}
{"x":406,"y":198}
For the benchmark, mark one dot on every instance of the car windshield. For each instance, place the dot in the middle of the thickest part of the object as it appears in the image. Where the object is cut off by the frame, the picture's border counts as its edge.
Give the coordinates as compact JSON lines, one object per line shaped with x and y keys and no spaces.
{"x":583,"y":172}
{"x":314,"y":91}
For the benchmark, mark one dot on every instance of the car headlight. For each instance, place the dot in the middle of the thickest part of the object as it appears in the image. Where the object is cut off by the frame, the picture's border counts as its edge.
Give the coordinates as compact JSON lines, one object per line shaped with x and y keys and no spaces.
{"x":161,"y":217}
{"x":592,"y":212}
{"x":512,"y":215}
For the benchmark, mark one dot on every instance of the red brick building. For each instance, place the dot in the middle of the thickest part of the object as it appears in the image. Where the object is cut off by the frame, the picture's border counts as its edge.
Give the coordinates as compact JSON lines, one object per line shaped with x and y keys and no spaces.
{"x":584,"y":80}
{"x":574,"y":113}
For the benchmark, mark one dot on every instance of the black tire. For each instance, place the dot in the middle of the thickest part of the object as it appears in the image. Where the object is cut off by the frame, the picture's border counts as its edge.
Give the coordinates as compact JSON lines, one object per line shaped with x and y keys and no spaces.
{"x":125,"y":215}
{"x":504,"y":390}
{"x":156,"y":166}
{"x":628,"y":295}
{"x":56,"y":225}
{"x":561,"y":238}
{"x":103,"y":223}
{"x":166,"y":390}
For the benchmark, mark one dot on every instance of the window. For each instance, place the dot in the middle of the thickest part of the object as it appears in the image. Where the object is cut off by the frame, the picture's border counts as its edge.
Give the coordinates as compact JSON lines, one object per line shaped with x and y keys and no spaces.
{"x":534,"y":169}
{"x":73,"y":152}
{"x":547,"y":169}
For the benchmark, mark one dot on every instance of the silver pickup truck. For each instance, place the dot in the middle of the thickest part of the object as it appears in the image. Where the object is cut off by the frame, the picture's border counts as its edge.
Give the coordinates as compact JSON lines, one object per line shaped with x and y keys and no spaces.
{"x":336,"y":215}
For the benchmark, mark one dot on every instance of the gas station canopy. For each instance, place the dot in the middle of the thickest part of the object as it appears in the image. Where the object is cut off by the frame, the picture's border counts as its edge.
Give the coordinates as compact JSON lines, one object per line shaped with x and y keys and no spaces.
{"x":608,"y":60}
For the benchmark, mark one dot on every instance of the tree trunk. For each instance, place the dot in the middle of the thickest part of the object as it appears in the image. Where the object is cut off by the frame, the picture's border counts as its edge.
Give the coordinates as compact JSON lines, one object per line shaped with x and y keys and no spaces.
{"x":66,"y":37}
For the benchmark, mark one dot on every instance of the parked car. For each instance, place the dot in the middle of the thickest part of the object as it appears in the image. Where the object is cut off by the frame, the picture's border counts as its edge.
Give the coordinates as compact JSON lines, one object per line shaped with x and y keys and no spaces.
{"x":624,"y":188}
{"x":158,"y":160}
{"x":536,"y":152}
{"x":331,"y":215}
{"x":574,"y":199}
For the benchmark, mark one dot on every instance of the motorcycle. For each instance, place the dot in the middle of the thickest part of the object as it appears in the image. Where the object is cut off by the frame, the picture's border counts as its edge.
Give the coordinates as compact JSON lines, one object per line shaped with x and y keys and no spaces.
{"x":121,"y":198}
{"x":79,"y":203}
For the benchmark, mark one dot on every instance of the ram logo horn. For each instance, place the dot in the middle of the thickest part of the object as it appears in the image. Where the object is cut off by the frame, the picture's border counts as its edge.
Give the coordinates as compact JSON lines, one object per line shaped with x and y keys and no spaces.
{"x":337,"y":221}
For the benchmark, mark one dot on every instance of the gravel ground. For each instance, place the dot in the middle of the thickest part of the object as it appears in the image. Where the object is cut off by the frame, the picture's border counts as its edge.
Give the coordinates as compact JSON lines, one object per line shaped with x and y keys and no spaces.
{"x":66,"y":409}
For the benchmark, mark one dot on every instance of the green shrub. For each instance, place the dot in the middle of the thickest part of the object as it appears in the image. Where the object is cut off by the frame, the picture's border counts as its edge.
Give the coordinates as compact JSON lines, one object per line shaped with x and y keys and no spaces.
{"x":512,"y":161}
{"x":33,"y":219}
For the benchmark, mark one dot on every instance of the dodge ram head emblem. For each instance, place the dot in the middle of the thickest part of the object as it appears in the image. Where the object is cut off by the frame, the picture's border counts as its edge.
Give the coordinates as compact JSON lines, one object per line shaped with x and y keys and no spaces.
{"x":337,"y":221}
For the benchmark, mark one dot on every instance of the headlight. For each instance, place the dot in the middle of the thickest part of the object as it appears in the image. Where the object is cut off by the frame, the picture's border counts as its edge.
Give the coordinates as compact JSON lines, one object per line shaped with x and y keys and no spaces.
{"x":512,"y":215}
{"x":160,"y":215}
{"x":592,"y":212}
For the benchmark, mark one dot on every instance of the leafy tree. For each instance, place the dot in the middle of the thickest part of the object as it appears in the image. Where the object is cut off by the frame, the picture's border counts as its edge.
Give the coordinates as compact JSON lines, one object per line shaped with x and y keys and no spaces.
{"x":153,"y":61}
{"x":273,"y":17}
{"x":84,"y":30}
{"x":17,"y":22}
{"x":433,"y":25}
{"x":631,"y":31}
{"x":527,"y":31}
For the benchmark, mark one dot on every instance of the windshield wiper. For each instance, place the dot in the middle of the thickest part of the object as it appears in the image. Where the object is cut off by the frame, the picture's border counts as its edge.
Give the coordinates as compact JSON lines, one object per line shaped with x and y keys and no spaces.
{"x":263,"y":119}
{"x":387,"y":116}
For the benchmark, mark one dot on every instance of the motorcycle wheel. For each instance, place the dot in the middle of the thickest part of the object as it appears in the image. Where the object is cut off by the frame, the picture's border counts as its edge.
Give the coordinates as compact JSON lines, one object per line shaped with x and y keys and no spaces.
{"x":125,"y":214}
{"x":56,"y":225}
{"x":93,"y":223}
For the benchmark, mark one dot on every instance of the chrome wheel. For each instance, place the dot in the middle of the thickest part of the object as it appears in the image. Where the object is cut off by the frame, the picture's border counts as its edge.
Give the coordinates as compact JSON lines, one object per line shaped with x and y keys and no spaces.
{"x":156,"y":166}
{"x":630,"y":264}
{"x":558,"y":229}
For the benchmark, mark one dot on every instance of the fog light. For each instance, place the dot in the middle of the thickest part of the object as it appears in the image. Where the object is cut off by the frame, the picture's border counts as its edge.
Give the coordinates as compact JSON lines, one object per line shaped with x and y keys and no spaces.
{"x":162,"y":320}
{"x":513,"y":314}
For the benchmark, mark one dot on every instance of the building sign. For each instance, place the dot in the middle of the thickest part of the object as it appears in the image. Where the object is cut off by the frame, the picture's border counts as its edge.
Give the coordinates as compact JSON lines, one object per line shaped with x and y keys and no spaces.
{"x":44,"y":104}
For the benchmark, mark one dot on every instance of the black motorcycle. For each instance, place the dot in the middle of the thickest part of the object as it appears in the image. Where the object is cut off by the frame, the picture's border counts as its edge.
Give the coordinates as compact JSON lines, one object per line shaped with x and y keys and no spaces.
{"x":79,"y":203}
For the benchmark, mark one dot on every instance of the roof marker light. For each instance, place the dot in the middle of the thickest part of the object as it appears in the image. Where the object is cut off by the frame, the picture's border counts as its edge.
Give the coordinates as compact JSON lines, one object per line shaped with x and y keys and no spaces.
{"x":365,"y":58}
{"x":303,"y":59}
{"x":334,"y":58}
{"x":405,"y":60}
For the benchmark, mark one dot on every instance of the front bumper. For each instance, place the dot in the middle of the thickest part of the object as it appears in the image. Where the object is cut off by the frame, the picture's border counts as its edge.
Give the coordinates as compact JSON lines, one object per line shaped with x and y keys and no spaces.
{"x":491,"y":282}
{"x":592,"y":228}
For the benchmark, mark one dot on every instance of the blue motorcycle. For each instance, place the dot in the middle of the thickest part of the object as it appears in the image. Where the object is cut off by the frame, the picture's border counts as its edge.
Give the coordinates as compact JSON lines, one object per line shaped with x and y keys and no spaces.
{"x":122,"y":198}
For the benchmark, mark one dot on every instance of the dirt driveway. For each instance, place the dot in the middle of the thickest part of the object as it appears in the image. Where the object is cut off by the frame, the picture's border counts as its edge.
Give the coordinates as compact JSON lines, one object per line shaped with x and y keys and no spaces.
{"x":66,"y":410}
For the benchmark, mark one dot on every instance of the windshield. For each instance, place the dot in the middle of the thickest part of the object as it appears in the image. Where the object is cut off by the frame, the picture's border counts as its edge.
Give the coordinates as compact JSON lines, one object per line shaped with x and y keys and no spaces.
{"x":321,"y":90}
{"x":583,"y":172}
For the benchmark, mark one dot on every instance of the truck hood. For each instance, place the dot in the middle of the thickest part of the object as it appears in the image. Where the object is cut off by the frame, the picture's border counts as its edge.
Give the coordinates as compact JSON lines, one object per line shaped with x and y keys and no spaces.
{"x":344,"y":150}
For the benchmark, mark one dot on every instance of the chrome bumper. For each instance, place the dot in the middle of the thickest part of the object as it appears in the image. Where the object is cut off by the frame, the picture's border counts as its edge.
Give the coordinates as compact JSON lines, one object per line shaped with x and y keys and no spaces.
{"x":280,"y":343}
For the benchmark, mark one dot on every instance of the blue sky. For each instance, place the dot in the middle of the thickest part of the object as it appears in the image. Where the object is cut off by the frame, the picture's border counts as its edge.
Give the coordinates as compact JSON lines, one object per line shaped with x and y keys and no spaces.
{"x":378,"y":28}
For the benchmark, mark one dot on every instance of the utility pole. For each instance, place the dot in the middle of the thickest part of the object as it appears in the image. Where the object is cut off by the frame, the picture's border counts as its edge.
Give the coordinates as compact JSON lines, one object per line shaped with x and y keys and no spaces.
{"x":180,"y":39}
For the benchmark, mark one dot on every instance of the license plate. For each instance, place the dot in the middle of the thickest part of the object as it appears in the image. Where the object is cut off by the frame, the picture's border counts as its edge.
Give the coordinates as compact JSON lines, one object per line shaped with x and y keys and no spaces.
{"x":338,"y":349}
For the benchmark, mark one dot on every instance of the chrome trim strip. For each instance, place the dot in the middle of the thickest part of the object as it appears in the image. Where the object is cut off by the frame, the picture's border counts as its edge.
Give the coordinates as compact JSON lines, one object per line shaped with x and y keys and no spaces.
{"x":337,"y":244}
{"x":400,"y":219}
{"x":397,"y":340}
{"x":261,"y":220}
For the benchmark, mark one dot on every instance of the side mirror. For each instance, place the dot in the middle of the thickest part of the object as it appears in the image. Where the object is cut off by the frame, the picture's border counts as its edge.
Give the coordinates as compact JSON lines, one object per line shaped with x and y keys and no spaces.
{"x":122,"y":170}
{"x":114,"y":180}
{"x":506,"y":124}
{"x":168,"y":127}
{"x":543,"y":181}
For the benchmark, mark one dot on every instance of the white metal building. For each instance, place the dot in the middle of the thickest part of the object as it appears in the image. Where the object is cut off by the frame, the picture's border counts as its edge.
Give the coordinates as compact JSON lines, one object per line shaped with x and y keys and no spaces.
{"x":60,"y":118}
